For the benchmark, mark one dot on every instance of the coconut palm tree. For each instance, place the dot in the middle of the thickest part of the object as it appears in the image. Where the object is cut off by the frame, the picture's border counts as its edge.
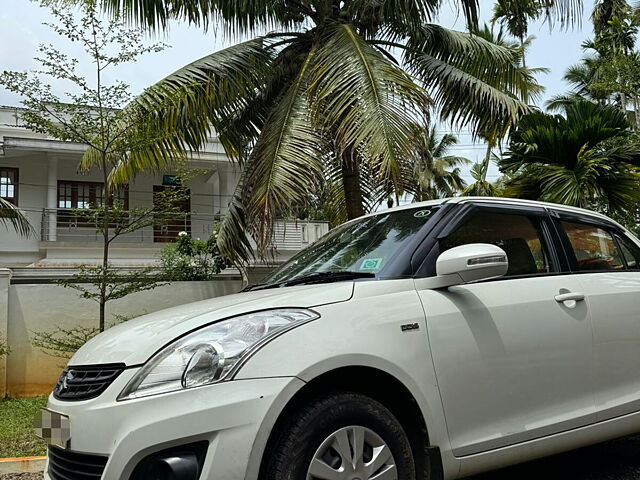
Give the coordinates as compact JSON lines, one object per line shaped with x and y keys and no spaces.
{"x":580,"y":76}
{"x":11,"y":216}
{"x":494,"y":132}
{"x":481,"y":187}
{"x":435,"y":173}
{"x":515,"y":15}
{"x":337,"y":82}
{"x":578,"y":159}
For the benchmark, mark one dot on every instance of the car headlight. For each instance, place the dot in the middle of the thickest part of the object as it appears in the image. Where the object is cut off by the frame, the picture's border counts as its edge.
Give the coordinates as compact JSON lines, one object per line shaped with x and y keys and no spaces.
{"x":207,"y":355}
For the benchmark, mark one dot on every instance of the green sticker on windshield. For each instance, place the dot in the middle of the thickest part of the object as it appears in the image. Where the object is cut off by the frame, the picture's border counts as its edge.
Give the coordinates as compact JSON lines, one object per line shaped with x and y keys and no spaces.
{"x":371,"y":263}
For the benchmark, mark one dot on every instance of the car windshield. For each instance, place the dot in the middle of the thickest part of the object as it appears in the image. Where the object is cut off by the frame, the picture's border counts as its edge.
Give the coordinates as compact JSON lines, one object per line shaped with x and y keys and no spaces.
{"x":363,"y":246}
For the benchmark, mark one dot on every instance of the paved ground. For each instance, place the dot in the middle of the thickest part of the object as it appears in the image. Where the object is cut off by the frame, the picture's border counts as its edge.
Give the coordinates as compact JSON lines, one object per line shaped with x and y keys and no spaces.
{"x":615,"y":460}
{"x":21,"y":476}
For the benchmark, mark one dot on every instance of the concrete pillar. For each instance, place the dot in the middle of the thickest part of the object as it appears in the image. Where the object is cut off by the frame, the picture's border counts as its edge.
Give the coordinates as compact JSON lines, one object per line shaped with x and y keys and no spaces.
{"x":5,"y":278}
{"x":225,"y":191}
{"x":52,"y":199}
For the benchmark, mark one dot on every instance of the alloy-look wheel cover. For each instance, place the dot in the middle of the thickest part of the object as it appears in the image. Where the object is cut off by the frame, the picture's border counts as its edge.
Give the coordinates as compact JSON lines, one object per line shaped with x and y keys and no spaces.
{"x":353,"y":453}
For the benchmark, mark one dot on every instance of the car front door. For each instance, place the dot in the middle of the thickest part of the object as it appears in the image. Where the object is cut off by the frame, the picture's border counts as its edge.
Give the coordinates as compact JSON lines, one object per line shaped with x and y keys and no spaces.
{"x":607,"y":262}
{"x":513,"y":360}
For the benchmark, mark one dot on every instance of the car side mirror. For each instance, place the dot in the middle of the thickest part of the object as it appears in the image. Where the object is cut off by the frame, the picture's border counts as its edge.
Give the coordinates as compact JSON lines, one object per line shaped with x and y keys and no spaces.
{"x":471,"y":263}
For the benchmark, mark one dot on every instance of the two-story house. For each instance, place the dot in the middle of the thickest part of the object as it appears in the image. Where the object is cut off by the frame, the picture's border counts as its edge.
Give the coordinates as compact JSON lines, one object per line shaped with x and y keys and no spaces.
{"x":40,"y":176}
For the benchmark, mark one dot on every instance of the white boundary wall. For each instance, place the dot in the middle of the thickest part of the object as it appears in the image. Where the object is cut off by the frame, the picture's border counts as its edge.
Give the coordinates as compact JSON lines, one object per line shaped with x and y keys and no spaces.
{"x":28,"y":308}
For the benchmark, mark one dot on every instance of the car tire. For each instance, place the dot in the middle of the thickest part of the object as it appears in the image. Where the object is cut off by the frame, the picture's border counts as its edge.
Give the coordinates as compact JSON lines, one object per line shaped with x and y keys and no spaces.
{"x":342,"y":435}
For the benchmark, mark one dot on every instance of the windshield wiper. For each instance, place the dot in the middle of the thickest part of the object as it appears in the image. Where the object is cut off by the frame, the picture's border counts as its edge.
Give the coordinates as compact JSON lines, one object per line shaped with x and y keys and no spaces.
{"x":319,"y":277}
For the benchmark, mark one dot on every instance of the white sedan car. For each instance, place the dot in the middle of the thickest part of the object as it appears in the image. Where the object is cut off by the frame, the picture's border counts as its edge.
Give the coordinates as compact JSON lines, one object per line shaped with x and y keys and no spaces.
{"x":430,"y":341}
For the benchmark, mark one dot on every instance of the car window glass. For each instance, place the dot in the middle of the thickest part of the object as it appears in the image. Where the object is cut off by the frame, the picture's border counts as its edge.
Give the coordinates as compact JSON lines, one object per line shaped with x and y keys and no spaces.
{"x":365,"y":245}
{"x":630,"y":251}
{"x":593,"y":247}
{"x":518,"y":235}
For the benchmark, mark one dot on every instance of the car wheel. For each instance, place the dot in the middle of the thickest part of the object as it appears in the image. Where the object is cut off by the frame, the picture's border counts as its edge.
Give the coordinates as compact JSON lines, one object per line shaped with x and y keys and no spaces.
{"x":344,"y":436}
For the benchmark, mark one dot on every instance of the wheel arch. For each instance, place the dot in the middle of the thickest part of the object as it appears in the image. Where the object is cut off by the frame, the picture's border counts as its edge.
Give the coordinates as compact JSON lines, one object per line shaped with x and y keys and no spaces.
{"x":382,"y":387}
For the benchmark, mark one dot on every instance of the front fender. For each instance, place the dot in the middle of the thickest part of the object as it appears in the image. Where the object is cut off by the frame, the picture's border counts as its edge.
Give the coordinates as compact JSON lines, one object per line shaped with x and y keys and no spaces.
{"x":364,"y":331}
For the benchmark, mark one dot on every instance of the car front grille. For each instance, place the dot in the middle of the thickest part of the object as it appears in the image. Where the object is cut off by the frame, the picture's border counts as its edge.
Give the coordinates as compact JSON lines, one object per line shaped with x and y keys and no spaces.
{"x":86,"y":382}
{"x":68,"y":465}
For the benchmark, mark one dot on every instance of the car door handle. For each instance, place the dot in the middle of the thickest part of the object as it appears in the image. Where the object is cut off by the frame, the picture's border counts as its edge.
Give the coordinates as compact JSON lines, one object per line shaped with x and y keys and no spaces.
{"x":570,"y":296}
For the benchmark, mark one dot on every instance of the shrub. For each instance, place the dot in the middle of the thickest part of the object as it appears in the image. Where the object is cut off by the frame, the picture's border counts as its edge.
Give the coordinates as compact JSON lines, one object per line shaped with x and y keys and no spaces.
{"x":64,"y":342}
{"x":192,"y":259}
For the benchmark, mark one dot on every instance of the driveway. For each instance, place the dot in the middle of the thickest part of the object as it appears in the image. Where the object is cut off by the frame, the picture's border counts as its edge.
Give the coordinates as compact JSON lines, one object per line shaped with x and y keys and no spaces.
{"x":615,"y":460}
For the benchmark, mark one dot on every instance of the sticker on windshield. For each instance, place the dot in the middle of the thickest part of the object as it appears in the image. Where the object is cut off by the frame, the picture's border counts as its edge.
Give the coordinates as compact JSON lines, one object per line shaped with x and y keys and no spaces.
{"x":371,"y":263}
{"x":422,"y":213}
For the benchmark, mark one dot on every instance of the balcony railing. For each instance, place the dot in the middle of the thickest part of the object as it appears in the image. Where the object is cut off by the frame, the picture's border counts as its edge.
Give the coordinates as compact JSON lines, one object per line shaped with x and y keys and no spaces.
{"x":62,"y":225}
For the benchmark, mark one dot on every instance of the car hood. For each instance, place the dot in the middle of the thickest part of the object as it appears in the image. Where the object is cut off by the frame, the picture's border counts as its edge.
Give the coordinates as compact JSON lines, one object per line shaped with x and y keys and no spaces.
{"x":134,"y":341}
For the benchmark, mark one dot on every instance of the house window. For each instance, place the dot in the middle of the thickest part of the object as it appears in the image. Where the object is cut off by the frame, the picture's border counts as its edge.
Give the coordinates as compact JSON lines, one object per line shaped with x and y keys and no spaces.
{"x":9,"y":184}
{"x":85,"y":195}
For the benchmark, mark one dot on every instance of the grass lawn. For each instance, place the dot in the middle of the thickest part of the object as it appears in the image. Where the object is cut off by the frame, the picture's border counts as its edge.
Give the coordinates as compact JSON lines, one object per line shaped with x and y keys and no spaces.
{"x":16,"y":427}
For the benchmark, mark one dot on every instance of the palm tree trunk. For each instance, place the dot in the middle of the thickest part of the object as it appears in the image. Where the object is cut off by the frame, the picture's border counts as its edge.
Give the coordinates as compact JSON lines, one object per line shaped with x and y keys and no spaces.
{"x":636,"y":109}
{"x":487,"y":160}
{"x":525,"y":93}
{"x":351,"y":185}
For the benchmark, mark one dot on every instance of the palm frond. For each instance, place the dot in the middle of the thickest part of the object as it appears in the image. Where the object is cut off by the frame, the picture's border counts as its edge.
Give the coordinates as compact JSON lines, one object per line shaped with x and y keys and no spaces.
{"x":434,"y":174}
{"x":583,"y":159}
{"x":10,"y":215}
{"x":334,"y":194}
{"x":566,"y":12}
{"x":474,"y":81}
{"x":367,"y":103}
{"x":557,"y":139}
{"x":233,"y":239}
{"x":559,"y":103}
{"x":177,"y":114}
{"x":233,"y":16}
{"x":286,"y":157}
{"x":515,"y":15}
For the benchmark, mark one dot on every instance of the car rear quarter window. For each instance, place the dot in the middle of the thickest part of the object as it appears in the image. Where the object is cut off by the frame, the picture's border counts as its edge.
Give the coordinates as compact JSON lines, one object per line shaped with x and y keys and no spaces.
{"x":593,"y":247}
{"x":630,"y":252}
{"x":518,"y":235}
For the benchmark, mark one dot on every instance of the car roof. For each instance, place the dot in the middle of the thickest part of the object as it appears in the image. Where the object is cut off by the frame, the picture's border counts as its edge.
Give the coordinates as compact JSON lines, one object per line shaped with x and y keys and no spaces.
{"x":500,"y":200}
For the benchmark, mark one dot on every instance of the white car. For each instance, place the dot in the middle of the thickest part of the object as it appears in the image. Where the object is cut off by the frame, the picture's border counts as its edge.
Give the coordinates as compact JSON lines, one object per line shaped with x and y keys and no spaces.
{"x":430,"y":341}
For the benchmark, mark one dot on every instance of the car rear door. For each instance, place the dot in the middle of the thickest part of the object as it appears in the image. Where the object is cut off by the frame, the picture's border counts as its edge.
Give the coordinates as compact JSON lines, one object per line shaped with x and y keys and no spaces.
{"x":513,"y":363}
{"x":607,"y":261}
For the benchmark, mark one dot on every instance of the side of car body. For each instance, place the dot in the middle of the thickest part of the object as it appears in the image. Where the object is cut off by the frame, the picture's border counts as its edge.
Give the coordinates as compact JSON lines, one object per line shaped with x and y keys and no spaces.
{"x":501,"y":371}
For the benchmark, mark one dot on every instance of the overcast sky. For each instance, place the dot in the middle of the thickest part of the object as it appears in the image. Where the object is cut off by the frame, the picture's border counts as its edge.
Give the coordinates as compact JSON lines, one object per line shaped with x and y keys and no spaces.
{"x":22,"y":31}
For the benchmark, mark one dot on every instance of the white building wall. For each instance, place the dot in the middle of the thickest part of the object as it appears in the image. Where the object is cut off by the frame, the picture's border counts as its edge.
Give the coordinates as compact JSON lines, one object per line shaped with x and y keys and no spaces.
{"x":32,"y":199}
{"x":29,"y":371}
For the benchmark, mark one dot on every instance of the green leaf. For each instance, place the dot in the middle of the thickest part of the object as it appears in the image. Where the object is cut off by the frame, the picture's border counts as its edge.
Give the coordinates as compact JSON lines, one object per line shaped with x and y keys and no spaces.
{"x":10,"y":215}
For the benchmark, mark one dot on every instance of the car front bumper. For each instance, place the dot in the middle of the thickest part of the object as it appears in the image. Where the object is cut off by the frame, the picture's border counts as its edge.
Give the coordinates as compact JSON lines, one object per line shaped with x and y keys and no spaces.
{"x":234,"y":417}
